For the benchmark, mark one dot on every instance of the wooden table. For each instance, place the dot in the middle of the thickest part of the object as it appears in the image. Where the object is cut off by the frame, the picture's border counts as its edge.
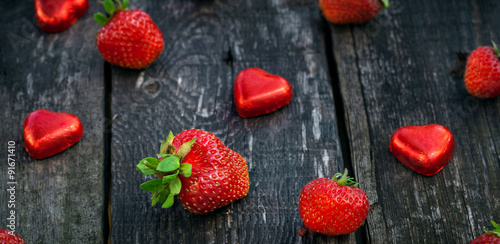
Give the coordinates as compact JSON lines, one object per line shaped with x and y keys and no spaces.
{"x":354,"y":85}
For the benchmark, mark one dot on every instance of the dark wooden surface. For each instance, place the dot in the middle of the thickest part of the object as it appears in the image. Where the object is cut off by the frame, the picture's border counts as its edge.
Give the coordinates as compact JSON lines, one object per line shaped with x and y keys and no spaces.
{"x":59,"y":199}
{"x":395,"y":71}
{"x":207,"y":44}
{"x":354,"y":85}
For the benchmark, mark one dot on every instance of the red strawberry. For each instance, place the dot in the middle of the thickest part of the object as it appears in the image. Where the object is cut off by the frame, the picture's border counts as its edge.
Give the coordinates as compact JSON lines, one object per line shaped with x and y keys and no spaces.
{"x":198,"y":167}
{"x":482,"y":73}
{"x":491,"y":237}
{"x":10,"y":237}
{"x":129,"y":38}
{"x":333,"y":207}
{"x":351,"y":11}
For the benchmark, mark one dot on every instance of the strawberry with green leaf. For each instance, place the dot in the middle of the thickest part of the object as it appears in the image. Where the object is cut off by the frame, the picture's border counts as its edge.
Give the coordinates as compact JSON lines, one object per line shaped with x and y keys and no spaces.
{"x":128,"y":38}
{"x":199,"y":168}
{"x":351,"y":11}
{"x":491,"y":236}
{"x":482,"y":73}
{"x":333,"y":206}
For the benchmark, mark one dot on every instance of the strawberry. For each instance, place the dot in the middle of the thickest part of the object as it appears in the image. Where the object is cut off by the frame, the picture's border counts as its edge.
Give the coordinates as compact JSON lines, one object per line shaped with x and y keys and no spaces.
{"x":491,"y":237}
{"x":128,"y":38}
{"x":333,"y":207}
{"x":10,"y":237}
{"x":482,"y":73}
{"x":198,"y":167}
{"x":351,"y":11}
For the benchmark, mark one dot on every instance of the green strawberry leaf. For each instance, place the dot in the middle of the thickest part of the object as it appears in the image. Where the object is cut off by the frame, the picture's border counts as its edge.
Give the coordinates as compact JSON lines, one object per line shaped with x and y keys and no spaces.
{"x":344,"y":179}
{"x":496,"y":231}
{"x":495,"y":47}
{"x":151,"y":162}
{"x":109,"y":5}
{"x":163,"y":155}
{"x":495,"y":225}
{"x":164,"y":194}
{"x":155,"y":196}
{"x":186,"y":169}
{"x":168,"y":164}
{"x":145,"y":169}
{"x":169,"y":202}
{"x":185,"y":148}
{"x":385,"y":3}
{"x":152,"y":185}
{"x":168,"y":178}
{"x":166,"y":146}
{"x":175,"y":186}
{"x":125,"y":4}
{"x":100,"y":18}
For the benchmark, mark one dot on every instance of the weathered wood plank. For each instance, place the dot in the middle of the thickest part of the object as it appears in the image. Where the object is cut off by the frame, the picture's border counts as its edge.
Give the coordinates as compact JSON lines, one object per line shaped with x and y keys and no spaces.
{"x":59,"y":199}
{"x":395,"y":71}
{"x":207,"y":44}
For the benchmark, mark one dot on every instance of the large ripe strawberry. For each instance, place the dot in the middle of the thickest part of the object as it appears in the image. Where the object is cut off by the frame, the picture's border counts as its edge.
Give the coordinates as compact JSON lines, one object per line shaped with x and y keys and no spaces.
{"x":351,"y":11}
{"x":491,"y":237}
{"x":128,"y":38}
{"x":333,"y":207}
{"x":198,"y":167}
{"x":10,"y":237}
{"x":482,"y":73}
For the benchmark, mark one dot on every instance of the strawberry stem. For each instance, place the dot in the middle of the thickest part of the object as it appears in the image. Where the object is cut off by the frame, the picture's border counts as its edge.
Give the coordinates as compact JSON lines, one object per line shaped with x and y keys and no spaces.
{"x":496,"y":231}
{"x":167,"y":168}
{"x":344,"y":179}
{"x":111,"y":9}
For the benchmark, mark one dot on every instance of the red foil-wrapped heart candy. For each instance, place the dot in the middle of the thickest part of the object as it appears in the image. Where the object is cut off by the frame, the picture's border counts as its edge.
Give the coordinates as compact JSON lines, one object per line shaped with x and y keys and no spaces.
{"x":47,"y":133}
{"x":425,"y":149}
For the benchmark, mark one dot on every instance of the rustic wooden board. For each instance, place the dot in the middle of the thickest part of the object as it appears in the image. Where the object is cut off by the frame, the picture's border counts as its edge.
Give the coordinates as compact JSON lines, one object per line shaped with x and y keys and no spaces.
{"x":59,"y":199}
{"x":207,"y":44}
{"x":395,"y":71}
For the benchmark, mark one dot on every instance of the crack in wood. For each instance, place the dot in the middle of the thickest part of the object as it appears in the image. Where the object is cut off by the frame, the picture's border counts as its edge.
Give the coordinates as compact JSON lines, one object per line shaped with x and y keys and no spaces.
{"x":108,"y":120}
{"x":362,"y":234}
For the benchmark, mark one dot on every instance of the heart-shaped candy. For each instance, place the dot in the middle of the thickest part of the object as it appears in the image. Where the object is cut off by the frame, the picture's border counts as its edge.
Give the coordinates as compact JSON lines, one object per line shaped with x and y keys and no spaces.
{"x":59,"y":15}
{"x":47,"y":133}
{"x":257,"y":92}
{"x":425,"y":149}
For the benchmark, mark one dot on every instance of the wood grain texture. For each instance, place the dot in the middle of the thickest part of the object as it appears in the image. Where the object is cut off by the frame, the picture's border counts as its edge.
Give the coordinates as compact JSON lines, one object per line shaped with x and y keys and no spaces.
{"x":395,"y":71}
{"x":190,"y":85}
{"x":59,"y":199}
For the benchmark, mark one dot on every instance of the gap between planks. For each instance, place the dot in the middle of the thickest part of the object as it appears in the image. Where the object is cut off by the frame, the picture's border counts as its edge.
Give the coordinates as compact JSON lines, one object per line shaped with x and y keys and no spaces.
{"x":108,"y":121}
{"x":361,"y":234}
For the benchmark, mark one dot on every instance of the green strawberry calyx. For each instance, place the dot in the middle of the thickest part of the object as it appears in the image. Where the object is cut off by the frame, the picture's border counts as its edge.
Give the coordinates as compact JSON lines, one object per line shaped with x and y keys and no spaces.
{"x":385,"y":3}
{"x":496,"y":231}
{"x":495,"y":47}
{"x":167,"y":168}
{"x":344,"y":179}
{"x":111,"y":9}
